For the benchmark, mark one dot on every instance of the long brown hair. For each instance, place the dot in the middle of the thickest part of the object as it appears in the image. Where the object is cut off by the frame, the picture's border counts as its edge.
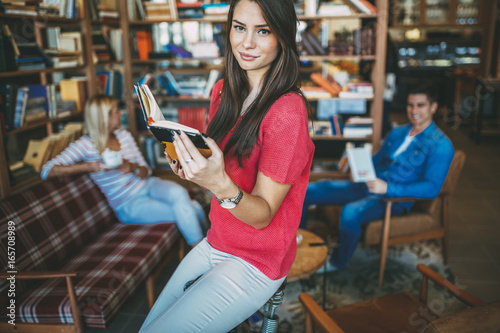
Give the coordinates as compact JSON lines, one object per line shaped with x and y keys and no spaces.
{"x":282,"y":77}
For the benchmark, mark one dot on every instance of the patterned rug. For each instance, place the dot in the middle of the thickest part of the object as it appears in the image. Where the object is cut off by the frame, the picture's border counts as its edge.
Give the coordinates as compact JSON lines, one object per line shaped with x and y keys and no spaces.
{"x":358,"y":282}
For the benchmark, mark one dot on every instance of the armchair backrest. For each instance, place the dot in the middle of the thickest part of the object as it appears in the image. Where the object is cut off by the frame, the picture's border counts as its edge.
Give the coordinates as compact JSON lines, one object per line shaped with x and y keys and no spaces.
{"x":432,"y":206}
{"x":455,"y":168}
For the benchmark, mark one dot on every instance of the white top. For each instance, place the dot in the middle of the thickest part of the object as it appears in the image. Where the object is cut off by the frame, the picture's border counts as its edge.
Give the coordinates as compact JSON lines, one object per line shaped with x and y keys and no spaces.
{"x":404,"y":145}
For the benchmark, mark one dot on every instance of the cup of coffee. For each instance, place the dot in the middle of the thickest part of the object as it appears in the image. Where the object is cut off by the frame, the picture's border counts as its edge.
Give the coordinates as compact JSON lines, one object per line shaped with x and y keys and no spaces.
{"x":111,"y":158}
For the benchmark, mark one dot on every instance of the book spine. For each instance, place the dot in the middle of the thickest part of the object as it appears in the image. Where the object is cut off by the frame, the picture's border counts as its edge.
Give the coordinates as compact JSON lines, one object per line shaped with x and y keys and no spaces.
{"x":21,"y":100}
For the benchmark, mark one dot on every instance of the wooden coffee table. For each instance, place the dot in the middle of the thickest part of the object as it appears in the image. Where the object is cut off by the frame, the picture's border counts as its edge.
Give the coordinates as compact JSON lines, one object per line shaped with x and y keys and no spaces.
{"x":309,"y":259}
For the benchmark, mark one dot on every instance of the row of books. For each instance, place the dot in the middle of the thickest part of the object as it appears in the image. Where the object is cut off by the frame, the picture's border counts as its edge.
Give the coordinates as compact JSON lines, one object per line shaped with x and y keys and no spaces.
{"x":344,"y":8}
{"x":41,"y":151}
{"x":353,"y":127}
{"x":64,"y":49}
{"x":62,"y":8}
{"x":21,"y":105}
{"x":104,"y":10}
{"x":361,"y":41}
{"x":328,"y":88}
{"x":20,"y":56}
{"x":149,"y":45}
{"x":185,"y":85}
{"x":171,"y":10}
{"x":111,"y":83}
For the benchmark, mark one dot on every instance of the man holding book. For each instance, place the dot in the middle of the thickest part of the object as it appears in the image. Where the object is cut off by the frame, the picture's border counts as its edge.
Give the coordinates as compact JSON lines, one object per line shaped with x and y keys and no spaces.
{"x":412,"y":162}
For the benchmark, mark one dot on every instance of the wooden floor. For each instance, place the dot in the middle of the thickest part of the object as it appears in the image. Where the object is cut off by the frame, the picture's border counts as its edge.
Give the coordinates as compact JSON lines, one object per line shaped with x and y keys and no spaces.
{"x":474,"y":229}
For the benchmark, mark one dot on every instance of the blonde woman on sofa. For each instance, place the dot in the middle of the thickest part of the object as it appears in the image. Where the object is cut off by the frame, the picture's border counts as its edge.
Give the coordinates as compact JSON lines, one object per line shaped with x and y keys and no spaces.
{"x":111,"y":156}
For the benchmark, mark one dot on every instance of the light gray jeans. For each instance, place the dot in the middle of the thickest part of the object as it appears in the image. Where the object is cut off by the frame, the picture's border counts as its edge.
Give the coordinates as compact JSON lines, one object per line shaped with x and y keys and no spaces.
{"x":229,"y":292}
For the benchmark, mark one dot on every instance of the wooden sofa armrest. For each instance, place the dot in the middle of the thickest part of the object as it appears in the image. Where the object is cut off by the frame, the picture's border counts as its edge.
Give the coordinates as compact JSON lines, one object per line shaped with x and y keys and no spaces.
{"x":39,"y":274}
{"x":75,"y":309}
{"x":459,"y":293}
{"x":316,"y":315}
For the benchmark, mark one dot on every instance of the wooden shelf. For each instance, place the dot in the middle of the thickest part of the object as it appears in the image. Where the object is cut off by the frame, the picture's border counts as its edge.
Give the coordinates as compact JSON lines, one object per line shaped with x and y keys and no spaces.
{"x":337,"y":57}
{"x":42,"y":123}
{"x":337,"y":17}
{"x":41,"y":19}
{"x":186,"y":60}
{"x":151,"y":22}
{"x":110,"y":62}
{"x":105,"y":23}
{"x":41,"y":71}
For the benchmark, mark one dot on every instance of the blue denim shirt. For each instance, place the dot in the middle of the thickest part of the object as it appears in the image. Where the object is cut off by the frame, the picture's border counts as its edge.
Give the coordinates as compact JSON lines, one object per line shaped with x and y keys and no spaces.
{"x":421,"y":169}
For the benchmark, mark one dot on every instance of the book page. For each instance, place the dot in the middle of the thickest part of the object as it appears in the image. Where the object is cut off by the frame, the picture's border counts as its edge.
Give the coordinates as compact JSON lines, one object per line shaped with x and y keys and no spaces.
{"x":360,"y":161}
{"x":154,"y":109}
{"x":175,"y":126}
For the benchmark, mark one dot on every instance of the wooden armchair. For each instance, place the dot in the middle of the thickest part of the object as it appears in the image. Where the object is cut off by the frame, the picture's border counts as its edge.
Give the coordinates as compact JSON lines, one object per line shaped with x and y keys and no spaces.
{"x":428,"y":219}
{"x":403,"y":312}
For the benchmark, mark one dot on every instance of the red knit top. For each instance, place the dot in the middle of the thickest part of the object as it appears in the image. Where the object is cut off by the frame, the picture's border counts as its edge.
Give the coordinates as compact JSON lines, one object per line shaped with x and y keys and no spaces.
{"x":283,"y":152}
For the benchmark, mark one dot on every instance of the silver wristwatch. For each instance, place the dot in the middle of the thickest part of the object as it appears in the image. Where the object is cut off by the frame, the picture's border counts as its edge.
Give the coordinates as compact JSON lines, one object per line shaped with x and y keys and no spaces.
{"x":231,"y":202}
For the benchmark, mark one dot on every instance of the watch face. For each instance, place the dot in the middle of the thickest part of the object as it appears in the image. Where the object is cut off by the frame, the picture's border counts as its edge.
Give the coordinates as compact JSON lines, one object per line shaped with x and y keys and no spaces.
{"x":228,"y":204}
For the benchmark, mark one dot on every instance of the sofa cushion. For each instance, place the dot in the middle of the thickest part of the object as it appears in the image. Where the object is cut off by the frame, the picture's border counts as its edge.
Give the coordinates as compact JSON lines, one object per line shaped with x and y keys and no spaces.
{"x":52,"y":220}
{"x":109,"y":270}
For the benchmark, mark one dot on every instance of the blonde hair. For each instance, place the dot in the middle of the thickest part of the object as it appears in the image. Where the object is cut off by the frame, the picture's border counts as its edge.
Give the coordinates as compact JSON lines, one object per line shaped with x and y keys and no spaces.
{"x":97,"y":111}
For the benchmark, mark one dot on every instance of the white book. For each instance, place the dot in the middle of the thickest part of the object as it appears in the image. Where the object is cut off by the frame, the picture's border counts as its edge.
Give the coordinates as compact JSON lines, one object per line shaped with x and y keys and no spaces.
{"x":361,"y":164}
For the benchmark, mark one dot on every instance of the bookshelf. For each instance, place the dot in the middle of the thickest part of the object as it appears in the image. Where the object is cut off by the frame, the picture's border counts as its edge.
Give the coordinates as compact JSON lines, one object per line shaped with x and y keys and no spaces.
{"x":131,"y":67}
{"x":38,"y":129}
{"x":378,"y":59}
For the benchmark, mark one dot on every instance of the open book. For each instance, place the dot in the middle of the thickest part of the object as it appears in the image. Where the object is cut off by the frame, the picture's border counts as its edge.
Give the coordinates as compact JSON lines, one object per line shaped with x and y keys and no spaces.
{"x":162,"y":129}
{"x":361,"y":164}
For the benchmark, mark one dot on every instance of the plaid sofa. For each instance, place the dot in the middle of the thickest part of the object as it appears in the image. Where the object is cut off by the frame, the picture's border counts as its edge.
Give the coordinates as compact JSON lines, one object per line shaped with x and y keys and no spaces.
{"x":67,"y":225}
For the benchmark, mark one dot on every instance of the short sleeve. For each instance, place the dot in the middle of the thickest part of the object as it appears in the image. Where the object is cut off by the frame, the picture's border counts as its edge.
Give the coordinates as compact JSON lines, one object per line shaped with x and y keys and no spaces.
{"x":216,"y":91}
{"x":286,"y":147}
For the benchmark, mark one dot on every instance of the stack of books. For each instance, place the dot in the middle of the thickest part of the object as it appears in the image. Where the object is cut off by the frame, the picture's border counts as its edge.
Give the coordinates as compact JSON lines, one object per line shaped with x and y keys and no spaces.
{"x":357,"y":90}
{"x":31,"y":56}
{"x":62,"y":58}
{"x":190,"y":10}
{"x":158,"y":11}
{"x":358,"y":127}
{"x":101,"y":47}
{"x":21,"y":7}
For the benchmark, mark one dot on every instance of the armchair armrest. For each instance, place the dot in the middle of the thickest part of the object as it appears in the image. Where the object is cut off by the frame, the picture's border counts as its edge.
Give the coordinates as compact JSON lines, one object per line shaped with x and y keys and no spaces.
{"x":75,"y":309}
{"x":408,"y":199}
{"x":316,"y":315}
{"x":400,"y":199}
{"x":459,"y":293}
{"x":39,"y":274}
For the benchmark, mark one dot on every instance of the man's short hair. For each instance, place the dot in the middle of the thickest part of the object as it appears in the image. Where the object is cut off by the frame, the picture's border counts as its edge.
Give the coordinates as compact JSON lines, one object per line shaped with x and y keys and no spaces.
{"x":424,"y":89}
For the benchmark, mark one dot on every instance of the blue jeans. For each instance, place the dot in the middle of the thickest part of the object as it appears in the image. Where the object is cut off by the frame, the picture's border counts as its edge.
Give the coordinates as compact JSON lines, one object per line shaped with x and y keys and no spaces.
{"x":163,"y":200}
{"x":359,"y":208}
{"x":229,"y":291}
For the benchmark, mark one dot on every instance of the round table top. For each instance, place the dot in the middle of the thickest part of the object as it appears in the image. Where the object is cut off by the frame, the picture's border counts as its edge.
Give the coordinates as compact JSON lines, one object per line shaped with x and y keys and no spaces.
{"x":309,"y":259}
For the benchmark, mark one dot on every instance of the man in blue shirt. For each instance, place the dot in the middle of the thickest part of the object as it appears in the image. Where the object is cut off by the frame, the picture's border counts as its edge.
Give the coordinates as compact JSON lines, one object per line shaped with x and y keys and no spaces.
{"x":412,"y":162}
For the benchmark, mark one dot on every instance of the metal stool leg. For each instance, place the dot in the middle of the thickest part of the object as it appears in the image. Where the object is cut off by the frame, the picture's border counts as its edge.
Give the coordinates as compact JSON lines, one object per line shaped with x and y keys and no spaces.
{"x":271,"y":320}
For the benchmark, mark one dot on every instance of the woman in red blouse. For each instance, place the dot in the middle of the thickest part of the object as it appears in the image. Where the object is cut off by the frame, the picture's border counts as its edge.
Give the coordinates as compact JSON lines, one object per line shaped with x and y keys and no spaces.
{"x":258,"y":173}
